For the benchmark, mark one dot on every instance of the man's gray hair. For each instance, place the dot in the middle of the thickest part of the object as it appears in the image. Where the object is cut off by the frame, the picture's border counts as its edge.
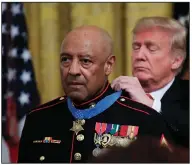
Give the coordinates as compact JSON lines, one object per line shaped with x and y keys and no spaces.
{"x":178,"y":31}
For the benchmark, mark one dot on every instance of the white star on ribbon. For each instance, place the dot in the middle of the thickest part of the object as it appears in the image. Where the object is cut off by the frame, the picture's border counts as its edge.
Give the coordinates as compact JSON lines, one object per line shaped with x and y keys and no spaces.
{"x":26,"y":55}
{"x":4,"y":30}
{"x":13,"y":52}
{"x":11,"y":75}
{"x":15,"y":9}
{"x":4,"y":7}
{"x":25,"y":76}
{"x":14,"y":31}
{"x":24,"y":98}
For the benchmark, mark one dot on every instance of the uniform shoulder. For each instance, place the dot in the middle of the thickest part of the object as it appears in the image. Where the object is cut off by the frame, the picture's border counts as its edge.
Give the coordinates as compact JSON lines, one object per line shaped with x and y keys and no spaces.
{"x":49,"y":104}
{"x":126,"y":102}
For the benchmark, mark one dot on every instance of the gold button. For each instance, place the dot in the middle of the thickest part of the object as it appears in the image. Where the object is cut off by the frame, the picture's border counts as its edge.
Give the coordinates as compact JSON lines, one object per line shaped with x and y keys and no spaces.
{"x":92,"y":105}
{"x":42,"y":158}
{"x":80,"y":137}
{"x":77,"y":156}
{"x":122,"y":99}
{"x":61,"y":98}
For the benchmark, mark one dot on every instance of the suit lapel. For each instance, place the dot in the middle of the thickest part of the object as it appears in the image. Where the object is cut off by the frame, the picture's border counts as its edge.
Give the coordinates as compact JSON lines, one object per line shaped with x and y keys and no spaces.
{"x":173,"y":93}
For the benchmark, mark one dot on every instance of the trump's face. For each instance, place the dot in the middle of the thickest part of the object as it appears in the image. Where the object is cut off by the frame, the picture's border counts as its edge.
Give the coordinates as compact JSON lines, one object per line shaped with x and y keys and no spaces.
{"x":152,"y":58}
{"x":82,"y":65}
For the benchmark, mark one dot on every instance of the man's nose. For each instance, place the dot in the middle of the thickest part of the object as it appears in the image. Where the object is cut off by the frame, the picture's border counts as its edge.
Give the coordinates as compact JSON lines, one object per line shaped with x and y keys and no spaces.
{"x":74,"y":68}
{"x":141,"y":54}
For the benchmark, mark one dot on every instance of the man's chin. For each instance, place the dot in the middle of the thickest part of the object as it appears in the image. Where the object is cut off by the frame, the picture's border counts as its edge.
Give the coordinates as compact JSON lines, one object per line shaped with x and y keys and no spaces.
{"x":76,"y":97}
{"x":142,"y":77}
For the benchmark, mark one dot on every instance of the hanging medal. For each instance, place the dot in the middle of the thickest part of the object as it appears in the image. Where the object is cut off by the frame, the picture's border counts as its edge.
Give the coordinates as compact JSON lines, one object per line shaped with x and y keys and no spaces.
{"x":133,"y":133}
{"x":77,"y":126}
{"x":100,"y":129}
{"x":115,"y":129}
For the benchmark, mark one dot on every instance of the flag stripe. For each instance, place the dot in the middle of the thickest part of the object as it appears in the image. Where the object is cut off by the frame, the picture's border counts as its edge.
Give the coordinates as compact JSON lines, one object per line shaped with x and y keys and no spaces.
{"x":19,"y":92}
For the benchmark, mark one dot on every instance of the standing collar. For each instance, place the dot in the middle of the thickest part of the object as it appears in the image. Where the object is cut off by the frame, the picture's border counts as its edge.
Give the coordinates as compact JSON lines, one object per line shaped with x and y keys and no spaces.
{"x":93,"y":101}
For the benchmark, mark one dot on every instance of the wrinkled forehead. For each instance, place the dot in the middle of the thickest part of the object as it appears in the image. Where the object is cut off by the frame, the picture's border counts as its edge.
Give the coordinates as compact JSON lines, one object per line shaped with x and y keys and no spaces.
{"x":84,"y":42}
{"x":83,"y":38}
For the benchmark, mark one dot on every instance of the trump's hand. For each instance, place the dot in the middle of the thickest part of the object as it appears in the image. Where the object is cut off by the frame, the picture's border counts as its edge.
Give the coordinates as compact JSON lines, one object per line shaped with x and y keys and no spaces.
{"x":133,"y":87}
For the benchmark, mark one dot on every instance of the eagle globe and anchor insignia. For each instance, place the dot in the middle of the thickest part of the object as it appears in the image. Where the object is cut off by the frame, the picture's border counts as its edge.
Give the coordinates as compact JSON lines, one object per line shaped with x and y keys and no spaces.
{"x":108,"y":135}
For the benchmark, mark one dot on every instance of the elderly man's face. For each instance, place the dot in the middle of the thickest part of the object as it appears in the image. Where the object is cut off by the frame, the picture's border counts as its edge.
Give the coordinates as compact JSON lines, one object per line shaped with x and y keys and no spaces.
{"x":82,"y":65}
{"x":152,"y":58}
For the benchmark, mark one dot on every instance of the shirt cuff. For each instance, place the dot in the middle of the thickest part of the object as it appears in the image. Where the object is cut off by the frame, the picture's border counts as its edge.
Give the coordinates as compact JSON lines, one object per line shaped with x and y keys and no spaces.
{"x":157,"y":105}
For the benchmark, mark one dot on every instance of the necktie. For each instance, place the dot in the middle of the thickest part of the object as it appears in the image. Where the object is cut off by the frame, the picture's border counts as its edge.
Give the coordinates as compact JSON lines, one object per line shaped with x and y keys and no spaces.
{"x":148,"y":94}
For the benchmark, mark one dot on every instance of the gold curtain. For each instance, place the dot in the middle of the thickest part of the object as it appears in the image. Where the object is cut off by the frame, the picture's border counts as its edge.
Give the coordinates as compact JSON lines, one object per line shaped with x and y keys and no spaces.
{"x":49,"y":22}
{"x":47,"y":25}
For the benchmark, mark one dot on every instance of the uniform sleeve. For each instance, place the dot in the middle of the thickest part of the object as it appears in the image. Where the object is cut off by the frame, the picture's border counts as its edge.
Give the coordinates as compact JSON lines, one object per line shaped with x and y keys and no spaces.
{"x":24,"y":142}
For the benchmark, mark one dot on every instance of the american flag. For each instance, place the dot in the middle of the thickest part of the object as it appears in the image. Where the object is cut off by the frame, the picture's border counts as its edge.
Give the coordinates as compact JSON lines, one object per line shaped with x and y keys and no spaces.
{"x":19,"y":90}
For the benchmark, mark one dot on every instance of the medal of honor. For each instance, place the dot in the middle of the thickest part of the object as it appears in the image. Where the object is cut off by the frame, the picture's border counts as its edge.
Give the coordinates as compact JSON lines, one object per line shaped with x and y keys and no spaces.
{"x":76,"y":127}
{"x":95,"y":109}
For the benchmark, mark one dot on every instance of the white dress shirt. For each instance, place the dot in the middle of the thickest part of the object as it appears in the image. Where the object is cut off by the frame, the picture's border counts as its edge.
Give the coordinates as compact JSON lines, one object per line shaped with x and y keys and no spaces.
{"x":158,"y":94}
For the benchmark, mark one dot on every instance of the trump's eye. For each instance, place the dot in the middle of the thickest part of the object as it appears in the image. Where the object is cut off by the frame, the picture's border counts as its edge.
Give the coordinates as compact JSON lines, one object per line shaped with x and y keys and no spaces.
{"x":136,"y":46}
{"x":153,"y":48}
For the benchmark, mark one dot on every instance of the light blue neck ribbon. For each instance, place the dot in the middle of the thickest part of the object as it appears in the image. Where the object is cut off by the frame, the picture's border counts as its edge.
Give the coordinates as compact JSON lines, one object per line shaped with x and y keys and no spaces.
{"x":100,"y":107}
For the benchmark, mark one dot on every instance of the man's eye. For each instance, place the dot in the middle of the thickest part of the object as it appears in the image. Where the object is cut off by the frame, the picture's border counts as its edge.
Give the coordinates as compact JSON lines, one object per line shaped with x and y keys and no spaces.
{"x":135,"y":47}
{"x":153,"y":48}
{"x":85,"y":61}
{"x":64,"y":59}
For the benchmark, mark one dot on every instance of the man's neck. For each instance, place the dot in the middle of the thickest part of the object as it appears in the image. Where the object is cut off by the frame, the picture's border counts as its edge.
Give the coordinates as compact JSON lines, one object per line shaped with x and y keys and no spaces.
{"x":151,"y":86}
{"x":99,"y":91}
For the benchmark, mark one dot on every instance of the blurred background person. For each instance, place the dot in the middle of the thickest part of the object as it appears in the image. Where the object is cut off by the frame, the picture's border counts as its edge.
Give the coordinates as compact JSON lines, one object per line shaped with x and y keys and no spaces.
{"x":31,"y":35}
{"x":145,"y":149}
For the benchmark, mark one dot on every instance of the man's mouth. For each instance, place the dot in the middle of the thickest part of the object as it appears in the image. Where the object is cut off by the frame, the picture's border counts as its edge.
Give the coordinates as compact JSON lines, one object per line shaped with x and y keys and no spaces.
{"x":140,"y":68}
{"x":75,"y":83}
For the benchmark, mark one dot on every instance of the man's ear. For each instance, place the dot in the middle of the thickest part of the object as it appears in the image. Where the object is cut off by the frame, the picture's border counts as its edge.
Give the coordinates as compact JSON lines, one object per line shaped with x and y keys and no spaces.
{"x":109,"y":65}
{"x":177,"y":62}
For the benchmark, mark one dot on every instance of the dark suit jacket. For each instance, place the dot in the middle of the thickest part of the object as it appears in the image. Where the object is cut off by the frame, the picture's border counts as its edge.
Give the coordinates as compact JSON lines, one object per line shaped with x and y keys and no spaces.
{"x":47,"y":138}
{"x":175,"y":110}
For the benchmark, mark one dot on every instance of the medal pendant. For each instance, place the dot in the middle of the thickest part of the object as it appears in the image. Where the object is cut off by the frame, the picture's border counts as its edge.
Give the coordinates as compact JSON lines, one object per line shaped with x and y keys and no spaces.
{"x":76,"y":127}
{"x":96,"y":151}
